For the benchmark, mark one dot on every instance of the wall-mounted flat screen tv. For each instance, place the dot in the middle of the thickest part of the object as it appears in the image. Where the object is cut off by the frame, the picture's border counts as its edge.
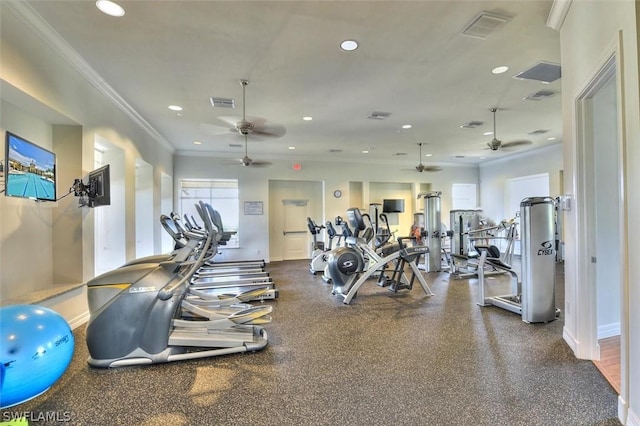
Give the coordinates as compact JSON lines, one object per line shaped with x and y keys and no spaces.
{"x":30,"y":170}
{"x":393,"y":206}
{"x":100,"y":187}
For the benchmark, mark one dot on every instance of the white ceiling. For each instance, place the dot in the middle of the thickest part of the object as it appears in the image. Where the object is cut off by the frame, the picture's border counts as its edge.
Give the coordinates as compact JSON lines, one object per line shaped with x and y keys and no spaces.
{"x":412,"y":62}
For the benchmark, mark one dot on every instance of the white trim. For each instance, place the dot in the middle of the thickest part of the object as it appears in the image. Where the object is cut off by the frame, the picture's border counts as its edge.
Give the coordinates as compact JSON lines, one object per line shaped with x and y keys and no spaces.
{"x":586,"y":302}
{"x":558,"y":13}
{"x":633,"y":418}
{"x":58,"y":44}
{"x":608,"y":330}
{"x":79,"y":320}
{"x":570,"y":339}
{"x":625,"y":245}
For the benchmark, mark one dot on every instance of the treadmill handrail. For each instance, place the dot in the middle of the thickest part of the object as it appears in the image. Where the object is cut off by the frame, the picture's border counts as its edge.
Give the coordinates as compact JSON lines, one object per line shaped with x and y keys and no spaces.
{"x":169,"y":290}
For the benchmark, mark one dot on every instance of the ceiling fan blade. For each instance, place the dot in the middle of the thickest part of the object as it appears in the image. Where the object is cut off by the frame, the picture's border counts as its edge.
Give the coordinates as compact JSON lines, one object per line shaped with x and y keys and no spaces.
{"x":214,"y":130}
{"x":432,"y":168}
{"x":259,"y":163}
{"x":229,"y":120}
{"x":516,"y":143}
{"x":270,"y":131}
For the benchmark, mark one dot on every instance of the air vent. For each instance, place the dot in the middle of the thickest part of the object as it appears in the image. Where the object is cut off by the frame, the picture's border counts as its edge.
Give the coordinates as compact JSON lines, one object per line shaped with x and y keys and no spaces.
{"x":472,"y":124}
{"x":378,"y":115}
{"x":235,"y":145}
{"x":399,"y":154}
{"x":538,"y":132}
{"x":222,"y":103}
{"x":332,"y":150}
{"x":544,"y":72}
{"x":484,"y":25}
{"x":540,"y":95}
{"x":458,"y":156}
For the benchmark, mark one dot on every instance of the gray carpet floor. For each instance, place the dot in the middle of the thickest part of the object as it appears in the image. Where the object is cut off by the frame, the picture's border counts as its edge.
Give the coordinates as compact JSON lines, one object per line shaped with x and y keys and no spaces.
{"x":386,"y":359}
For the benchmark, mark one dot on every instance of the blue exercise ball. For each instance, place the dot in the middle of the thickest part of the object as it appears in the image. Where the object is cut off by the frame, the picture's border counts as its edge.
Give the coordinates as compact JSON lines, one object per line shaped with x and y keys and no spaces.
{"x":36,"y":347}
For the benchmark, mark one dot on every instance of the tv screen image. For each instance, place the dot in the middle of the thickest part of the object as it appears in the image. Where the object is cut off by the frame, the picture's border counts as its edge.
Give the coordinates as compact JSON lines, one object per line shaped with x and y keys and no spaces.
{"x":393,"y":206}
{"x":30,"y":170}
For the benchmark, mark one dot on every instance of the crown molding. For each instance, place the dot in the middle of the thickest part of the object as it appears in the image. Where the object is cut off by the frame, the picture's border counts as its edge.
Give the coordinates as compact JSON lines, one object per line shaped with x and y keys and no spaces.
{"x":55,"y":41}
{"x":558,"y":12}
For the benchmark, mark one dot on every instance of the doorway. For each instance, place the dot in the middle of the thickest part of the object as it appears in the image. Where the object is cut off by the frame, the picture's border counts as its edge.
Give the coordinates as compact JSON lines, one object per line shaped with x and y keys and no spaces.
{"x":109,"y":221}
{"x":601,"y":177}
{"x":290,"y":202}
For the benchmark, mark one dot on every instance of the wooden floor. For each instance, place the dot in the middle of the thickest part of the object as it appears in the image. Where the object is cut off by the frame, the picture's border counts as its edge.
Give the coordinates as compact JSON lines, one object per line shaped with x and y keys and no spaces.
{"x":609,"y":364}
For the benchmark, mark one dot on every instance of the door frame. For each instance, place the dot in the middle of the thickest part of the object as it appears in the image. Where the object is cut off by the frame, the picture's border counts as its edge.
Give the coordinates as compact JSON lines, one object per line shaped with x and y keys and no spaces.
{"x":586,"y":291}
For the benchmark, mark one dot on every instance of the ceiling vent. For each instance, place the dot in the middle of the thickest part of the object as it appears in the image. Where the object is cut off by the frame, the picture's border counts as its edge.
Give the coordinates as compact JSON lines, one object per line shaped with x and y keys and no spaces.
{"x":484,"y":24}
{"x":540,"y":95}
{"x":378,"y":115}
{"x":472,"y":124}
{"x":222,"y":103}
{"x":333,"y":150}
{"x":399,"y":154}
{"x":538,"y":132}
{"x":235,"y":145}
{"x":544,"y":72}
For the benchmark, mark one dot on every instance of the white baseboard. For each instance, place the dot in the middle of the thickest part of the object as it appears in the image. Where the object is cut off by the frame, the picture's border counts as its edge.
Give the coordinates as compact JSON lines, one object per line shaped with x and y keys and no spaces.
{"x":633,"y":418}
{"x":79,"y":320}
{"x":608,"y":330}
{"x":570,"y":340}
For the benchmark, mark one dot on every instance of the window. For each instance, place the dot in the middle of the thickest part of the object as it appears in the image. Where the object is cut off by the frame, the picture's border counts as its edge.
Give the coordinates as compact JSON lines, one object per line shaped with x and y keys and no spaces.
{"x":222,"y":194}
{"x":463,"y":196}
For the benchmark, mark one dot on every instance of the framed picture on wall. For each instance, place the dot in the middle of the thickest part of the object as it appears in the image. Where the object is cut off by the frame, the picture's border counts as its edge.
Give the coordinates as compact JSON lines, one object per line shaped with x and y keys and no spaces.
{"x":253,"y":208}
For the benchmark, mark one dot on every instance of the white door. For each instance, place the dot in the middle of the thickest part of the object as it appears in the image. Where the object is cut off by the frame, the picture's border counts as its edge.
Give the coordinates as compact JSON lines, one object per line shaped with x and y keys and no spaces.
{"x":295,"y":229}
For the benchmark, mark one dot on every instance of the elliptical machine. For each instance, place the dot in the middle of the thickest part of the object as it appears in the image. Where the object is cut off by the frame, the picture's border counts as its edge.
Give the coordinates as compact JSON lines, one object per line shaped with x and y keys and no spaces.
{"x":143,"y":314}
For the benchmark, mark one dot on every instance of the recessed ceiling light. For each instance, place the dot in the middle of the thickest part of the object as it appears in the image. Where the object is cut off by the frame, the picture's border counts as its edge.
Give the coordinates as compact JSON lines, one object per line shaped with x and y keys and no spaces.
{"x":500,"y":70}
{"x":364,"y":151}
{"x":292,"y":147}
{"x":175,"y":108}
{"x":110,"y":8}
{"x":428,"y":155}
{"x":349,"y":45}
{"x":551,"y":138}
{"x":307,"y":118}
{"x":487,"y":133}
{"x":406,"y":126}
{"x":197,"y":143}
{"x":482,"y":158}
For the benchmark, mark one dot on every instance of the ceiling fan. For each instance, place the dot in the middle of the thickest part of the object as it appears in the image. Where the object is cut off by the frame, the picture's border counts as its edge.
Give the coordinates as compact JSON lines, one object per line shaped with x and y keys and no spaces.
{"x":246,"y":125}
{"x":422,"y":168}
{"x":247,"y":161}
{"x":497,"y":144}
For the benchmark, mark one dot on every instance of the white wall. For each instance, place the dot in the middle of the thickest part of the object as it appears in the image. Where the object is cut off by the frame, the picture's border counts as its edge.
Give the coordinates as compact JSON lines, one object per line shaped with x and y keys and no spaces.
{"x":25,"y":224}
{"x":591,"y":32}
{"x":495,"y":174}
{"x":254,"y":186}
{"x":43,"y":84}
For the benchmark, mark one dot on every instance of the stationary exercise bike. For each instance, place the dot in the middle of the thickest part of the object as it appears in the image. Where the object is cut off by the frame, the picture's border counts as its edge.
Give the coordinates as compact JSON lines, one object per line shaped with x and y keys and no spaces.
{"x":352,"y":265}
{"x":319,"y":254}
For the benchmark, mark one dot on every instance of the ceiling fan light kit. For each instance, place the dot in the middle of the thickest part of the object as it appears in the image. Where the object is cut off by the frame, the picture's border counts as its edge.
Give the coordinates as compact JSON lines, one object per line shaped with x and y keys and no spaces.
{"x":497,"y":144}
